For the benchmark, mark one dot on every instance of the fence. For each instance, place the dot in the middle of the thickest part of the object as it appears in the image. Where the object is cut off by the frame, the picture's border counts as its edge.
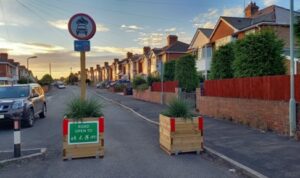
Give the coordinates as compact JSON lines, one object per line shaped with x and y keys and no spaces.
{"x":264,"y":88}
{"x":167,"y":86}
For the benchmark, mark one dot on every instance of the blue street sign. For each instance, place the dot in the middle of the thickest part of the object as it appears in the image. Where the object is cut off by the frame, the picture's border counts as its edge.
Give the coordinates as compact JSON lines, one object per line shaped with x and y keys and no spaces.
{"x":82,"y":45}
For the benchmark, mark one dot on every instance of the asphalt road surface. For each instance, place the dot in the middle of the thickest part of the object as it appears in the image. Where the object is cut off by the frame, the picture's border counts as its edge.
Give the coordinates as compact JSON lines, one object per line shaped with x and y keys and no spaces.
{"x":131,"y":148}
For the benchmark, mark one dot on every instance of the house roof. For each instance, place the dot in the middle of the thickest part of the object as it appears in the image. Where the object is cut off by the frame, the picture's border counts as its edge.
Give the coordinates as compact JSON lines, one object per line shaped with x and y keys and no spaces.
{"x":156,"y":50}
{"x":205,"y":31}
{"x":178,"y":46}
{"x":273,"y":14}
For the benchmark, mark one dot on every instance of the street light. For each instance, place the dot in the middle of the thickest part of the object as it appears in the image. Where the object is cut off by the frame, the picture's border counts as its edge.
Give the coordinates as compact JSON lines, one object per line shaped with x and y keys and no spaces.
{"x":31,"y":57}
{"x":292,"y":109}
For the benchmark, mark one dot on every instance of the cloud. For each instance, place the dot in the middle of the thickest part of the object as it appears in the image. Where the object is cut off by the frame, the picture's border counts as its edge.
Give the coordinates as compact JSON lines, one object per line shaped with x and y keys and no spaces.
{"x":106,"y":50}
{"x":18,"y":48}
{"x":131,"y":28}
{"x":168,"y":30}
{"x":209,"y":18}
{"x":158,"y":39}
{"x":63,"y":25}
{"x":8,"y":24}
{"x":269,"y":2}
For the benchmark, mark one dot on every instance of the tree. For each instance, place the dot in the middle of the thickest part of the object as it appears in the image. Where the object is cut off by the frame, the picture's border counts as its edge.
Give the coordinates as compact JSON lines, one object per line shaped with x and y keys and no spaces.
{"x":297,"y":30}
{"x":46,"y":80}
{"x":186,"y":73}
{"x":221,"y":66}
{"x":169,"y":71}
{"x":72,"y":79}
{"x":259,"y":54}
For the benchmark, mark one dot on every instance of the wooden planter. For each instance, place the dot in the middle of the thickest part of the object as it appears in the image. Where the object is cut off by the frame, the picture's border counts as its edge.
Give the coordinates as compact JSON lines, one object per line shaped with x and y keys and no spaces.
{"x":84,"y":138}
{"x":177,"y":135}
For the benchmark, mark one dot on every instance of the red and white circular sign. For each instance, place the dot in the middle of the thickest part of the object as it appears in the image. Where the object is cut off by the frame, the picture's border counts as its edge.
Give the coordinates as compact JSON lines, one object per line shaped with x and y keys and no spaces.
{"x":82,"y":26}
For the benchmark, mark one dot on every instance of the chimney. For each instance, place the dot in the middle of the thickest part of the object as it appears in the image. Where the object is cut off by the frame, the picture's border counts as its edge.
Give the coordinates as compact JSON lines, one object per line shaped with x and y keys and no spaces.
{"x":146,"y":49}
{"x":129,"y":54}
{"x":171,"y":39}
{"x":91,"y":68}
{"x":98,"y":66}
{"x":251,"y":9}
{"x":116,"y":60}
{"x":3,"y":56}
{"x":106,"y":64}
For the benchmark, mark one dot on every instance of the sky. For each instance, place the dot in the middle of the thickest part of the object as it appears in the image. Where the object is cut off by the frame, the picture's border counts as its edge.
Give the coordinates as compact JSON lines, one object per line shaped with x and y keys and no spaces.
{"x":39,"y":27}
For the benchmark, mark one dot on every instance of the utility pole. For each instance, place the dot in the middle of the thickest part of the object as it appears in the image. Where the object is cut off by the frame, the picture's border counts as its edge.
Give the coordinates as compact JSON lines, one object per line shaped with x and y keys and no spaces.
{"x":50,"y":69}
{"x":292,"y":109}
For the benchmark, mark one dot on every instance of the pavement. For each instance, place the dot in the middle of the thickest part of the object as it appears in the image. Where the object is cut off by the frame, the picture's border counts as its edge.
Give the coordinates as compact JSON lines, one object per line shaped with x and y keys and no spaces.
{"x":131,"y":148}
{"x":265,"y":152}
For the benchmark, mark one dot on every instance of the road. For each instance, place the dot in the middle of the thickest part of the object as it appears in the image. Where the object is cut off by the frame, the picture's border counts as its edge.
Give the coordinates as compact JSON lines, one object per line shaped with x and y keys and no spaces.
{"x":131,"y":148}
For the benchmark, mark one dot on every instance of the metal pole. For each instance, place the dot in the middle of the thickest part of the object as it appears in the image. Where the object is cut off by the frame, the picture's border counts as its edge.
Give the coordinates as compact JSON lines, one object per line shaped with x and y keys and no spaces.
{"x":17,"y":137}
{"x":292,"y":111}
{"x":28,"y":70}
{"x":162,"y":83}
{"x":82,"y":76}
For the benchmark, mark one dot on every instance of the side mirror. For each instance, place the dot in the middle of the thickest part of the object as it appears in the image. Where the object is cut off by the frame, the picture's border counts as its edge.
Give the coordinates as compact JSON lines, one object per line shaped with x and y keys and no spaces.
{"x":34,"y":95}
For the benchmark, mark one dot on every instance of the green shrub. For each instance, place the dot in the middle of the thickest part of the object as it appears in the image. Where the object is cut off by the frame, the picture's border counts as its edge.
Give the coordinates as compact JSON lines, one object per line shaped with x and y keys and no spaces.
{"x":138,"y":80}
{"x":178,"y":108}
{"x":152,"y":78}
{"x":259,"y":54}
{"x":186,"y":73}
{"x":169,"y":70}
{"x":142,"y":87}
{"x":119,"y":87}
{"x":297,"y":30}
{"x":221,"y":66}
{"x":78,"y":109}
{"x":46,"y":80}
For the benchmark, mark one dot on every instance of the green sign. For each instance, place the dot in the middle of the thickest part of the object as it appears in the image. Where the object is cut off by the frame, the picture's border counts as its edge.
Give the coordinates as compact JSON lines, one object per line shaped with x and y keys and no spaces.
{"x":83,"y":132}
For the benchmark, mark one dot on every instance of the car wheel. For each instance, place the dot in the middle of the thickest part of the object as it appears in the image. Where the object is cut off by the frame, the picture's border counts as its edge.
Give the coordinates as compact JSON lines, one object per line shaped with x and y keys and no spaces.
{"x":43,"y":113}
{"x":30,"y":120}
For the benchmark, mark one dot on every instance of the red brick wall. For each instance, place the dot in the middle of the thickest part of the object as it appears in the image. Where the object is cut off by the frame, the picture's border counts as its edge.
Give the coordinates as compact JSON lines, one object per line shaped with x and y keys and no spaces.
{"x":262,"y":114}
{"x":298,"y":116}
{"x":153,"y":97}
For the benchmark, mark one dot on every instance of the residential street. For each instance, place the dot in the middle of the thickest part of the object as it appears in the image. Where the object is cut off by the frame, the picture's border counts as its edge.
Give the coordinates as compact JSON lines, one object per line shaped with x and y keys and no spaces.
{"x":131,"y":148}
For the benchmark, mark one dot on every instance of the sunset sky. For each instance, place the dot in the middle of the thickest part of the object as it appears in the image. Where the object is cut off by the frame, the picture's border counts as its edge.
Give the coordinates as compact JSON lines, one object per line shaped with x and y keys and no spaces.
{"x":39,"y":27}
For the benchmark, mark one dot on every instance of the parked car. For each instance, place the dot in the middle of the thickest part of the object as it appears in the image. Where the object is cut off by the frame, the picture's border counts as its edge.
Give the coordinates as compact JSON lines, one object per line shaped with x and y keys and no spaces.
{"x":26,"y":101}
{"x":61,"y":86}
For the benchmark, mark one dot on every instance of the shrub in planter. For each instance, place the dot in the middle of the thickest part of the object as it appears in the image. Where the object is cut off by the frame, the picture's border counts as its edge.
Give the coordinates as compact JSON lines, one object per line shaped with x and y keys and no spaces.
{"x":142,"y":87}
{"x":179,"y":130}
{"x":119,"y":88}
{"x":83,"y":129}
{"x":138,"y":80}
{"x":152,"y":78}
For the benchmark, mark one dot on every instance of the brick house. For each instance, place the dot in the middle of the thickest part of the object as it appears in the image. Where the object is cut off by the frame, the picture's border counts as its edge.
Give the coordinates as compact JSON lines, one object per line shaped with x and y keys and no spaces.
{"x":9,"y":70}
{"x":273,"y":17}
{"x":155,"y":62}
{"x":200,"y":47}
{"x":144,"y":65}
{"x":173,"y":50}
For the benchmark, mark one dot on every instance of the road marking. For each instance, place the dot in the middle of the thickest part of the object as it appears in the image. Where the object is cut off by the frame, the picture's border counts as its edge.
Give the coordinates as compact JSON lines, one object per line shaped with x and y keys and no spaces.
{"x":248,"y":170}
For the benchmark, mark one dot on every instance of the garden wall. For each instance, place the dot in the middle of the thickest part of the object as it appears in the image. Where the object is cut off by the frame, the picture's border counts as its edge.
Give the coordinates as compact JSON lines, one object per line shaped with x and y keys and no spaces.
{"x":154,"y":96}
{"x":268,"y":115}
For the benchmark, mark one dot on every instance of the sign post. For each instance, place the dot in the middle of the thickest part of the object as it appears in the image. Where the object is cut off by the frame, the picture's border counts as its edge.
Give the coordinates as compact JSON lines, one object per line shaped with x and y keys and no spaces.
{"x":82,"y":27}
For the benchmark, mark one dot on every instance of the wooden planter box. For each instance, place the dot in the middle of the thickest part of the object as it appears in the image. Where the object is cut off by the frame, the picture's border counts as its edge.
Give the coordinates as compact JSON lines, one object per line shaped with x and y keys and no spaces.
{"x":177,"y":135}
{"x":82,"y":139}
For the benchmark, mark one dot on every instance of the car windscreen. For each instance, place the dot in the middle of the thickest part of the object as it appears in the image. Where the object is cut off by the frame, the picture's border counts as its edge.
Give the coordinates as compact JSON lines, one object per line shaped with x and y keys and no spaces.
{"x":14,"y":92}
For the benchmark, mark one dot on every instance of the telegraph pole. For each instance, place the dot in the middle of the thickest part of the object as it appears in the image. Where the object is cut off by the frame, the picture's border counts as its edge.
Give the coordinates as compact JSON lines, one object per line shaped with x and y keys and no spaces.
{"x":292,"y":109}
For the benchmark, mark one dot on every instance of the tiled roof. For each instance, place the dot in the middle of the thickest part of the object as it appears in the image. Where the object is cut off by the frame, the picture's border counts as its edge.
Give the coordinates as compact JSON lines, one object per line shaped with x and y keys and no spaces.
{"x":178,"y":46}
{"x":238,"y":22}
{"x":206,"y":31}
{"x":274,"y":14}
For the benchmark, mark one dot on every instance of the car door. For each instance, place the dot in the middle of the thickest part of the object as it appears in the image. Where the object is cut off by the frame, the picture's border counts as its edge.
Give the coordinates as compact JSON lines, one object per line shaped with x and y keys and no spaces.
{"x":34,"y":99}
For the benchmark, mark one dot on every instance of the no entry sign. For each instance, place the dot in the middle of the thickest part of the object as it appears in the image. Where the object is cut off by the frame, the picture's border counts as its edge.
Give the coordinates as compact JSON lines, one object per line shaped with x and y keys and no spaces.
{"x":82,"y":26}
